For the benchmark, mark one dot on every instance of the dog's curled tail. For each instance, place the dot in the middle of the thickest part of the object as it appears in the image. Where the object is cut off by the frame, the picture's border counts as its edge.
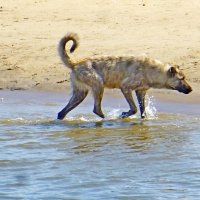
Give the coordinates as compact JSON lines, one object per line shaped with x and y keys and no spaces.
{"x":62,"y":51}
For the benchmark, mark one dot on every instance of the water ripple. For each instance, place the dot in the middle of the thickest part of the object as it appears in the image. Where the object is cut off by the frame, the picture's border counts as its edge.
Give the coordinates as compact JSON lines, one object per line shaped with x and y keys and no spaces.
{"x":85,"y":157}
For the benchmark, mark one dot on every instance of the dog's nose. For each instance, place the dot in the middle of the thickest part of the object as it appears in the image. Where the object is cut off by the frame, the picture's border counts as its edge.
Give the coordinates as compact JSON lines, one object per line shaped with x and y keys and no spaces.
{"x":188,"y":90}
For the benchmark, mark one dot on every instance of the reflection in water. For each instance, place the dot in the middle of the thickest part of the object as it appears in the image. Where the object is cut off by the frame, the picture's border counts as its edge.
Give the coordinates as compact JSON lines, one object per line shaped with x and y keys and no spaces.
{"x":138,"y":135}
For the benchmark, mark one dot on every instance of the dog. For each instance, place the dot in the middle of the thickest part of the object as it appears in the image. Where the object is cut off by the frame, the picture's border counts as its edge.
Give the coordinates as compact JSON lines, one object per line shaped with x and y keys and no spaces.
{"x":126,"y":73}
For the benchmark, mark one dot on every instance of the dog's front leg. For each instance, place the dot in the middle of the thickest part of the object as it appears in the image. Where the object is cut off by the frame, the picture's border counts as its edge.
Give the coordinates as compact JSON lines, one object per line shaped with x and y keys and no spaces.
{"x":141,"y":100}
{"x":129,"y":98}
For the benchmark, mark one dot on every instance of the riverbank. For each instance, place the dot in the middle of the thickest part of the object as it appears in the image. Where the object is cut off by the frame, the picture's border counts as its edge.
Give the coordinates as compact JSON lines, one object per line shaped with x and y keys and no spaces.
{"x":30,"y":31}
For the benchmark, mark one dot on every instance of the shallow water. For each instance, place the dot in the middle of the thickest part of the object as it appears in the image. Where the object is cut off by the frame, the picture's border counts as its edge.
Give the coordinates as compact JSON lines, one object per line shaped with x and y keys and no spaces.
{"x":84,"y":157}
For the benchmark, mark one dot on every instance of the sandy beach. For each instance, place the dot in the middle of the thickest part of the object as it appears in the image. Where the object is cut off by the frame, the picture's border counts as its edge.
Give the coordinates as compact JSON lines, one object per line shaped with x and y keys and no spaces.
{"x":30,"y":32}
{"x":83,"y":156}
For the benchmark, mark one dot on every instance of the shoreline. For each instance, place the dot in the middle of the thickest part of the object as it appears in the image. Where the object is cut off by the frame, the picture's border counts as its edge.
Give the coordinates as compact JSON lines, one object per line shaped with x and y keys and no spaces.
{"x":157,"y":102}
{"x":30,"y":32}
{"x":162,"y":95}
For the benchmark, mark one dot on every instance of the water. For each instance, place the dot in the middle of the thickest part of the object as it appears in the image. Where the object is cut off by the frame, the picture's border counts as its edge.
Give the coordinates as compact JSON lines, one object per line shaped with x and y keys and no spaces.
{"x":86,"y":158}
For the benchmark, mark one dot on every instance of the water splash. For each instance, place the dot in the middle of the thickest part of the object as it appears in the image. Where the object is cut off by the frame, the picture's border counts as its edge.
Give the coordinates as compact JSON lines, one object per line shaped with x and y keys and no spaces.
{"x":110,"y":114}
{"x":113,"y":114}
{"x":83,"y":118}
{"x":150,"y":107}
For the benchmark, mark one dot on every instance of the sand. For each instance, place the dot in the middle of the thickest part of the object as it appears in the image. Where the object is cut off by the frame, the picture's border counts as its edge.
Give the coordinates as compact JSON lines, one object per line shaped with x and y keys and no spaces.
{"x":30,"y":32}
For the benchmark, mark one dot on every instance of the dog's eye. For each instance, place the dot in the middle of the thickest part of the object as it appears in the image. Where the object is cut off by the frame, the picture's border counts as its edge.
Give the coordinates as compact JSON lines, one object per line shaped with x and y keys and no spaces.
{"x":172,"y":72}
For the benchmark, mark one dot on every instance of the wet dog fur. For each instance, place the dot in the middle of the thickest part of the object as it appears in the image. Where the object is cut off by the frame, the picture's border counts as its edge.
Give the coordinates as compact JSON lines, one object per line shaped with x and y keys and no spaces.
{"x":126,"y":73}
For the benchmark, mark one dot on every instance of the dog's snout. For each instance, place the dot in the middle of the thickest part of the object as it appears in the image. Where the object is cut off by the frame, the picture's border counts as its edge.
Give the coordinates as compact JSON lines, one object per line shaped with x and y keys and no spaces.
{"x":188,"y":90}
{"x":185,"y":90}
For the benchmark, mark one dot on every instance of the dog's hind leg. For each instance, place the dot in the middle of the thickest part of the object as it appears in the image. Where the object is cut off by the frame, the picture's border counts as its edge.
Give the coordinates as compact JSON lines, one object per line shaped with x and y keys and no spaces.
{"x":98,"y":90}
{"x":129,"y":98}
{"x":77,"y":97}
{"x":141,"y":100}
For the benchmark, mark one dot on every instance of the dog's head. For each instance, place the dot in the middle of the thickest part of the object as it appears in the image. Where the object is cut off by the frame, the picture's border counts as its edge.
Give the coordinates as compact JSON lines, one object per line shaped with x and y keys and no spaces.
{"x":176,"y":80}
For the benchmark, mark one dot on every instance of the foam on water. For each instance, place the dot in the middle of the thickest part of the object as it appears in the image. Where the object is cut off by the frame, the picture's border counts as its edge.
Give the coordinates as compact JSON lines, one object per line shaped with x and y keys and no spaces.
{"x":115,"y":113}
{"x":22,"y":121}
{"x":150,"y":107}
{"x":110,"y":114}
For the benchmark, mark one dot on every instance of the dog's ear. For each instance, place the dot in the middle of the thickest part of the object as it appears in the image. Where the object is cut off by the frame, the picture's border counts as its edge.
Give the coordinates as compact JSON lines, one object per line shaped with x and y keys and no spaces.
{"x":177,"y":66}
{"x":171,"y":71}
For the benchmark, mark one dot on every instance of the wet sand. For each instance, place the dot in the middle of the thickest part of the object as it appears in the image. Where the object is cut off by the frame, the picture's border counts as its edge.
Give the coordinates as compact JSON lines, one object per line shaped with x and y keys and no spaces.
{"x":30,"y":31}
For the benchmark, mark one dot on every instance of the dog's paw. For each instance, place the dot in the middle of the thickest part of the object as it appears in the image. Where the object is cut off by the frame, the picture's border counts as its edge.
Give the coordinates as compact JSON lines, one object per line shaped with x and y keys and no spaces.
{"x":124,"y":115}
{"x":99,"y":113}
{"x":143,"y":116}
{"x":60,"y":116}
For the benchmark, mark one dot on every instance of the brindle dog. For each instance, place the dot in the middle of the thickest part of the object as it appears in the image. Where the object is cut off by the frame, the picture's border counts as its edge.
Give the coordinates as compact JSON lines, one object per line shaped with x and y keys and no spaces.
{"x":127,"y":73}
